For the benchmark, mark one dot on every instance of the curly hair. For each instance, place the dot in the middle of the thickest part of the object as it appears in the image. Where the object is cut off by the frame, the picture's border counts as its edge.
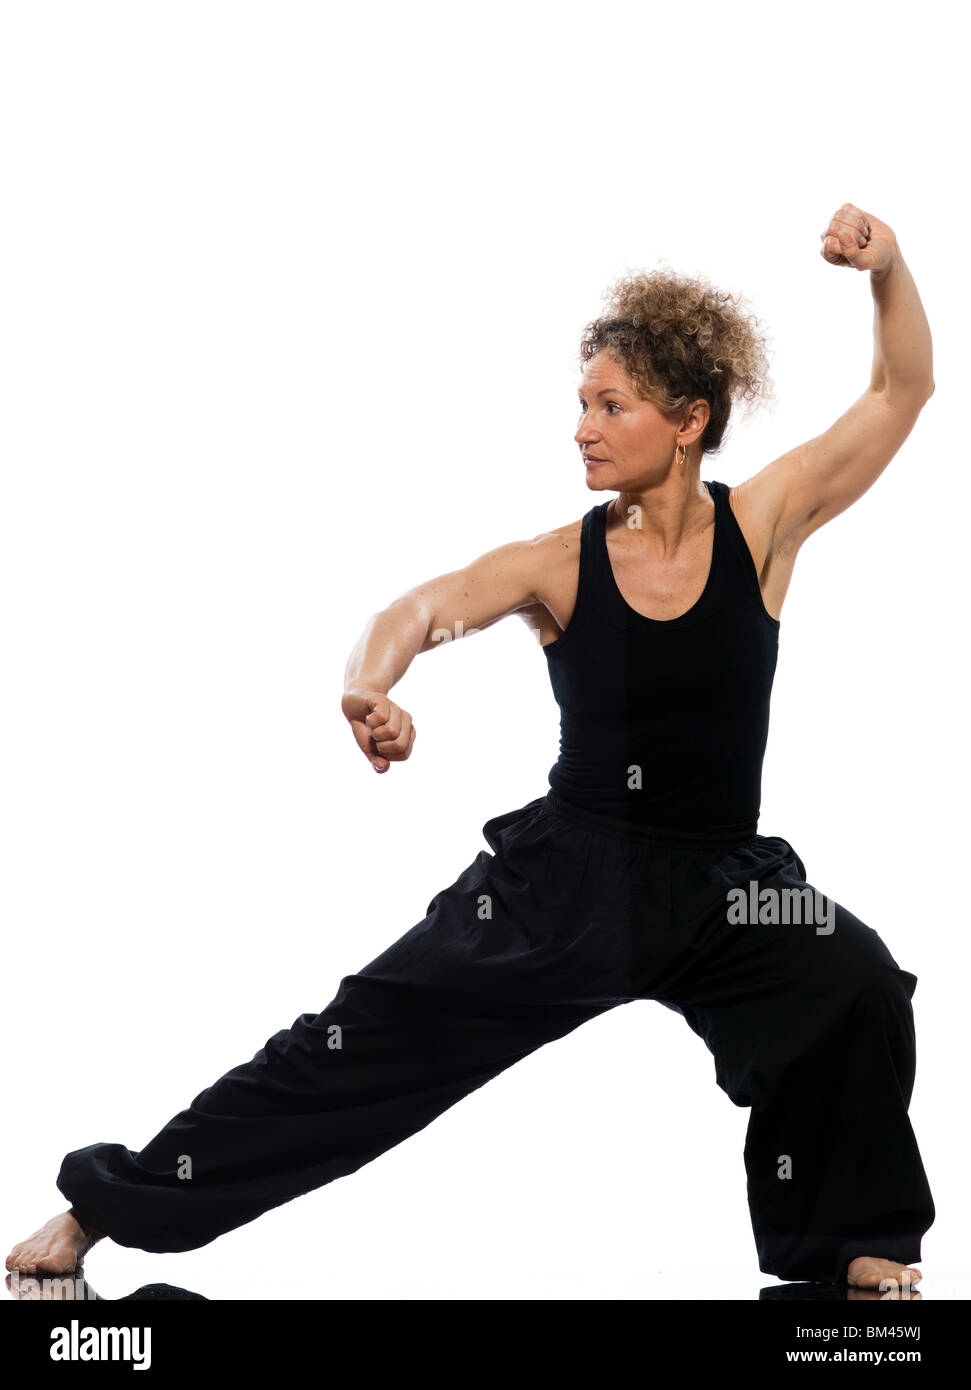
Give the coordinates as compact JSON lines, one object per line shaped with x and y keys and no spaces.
{"x":680,"y":339}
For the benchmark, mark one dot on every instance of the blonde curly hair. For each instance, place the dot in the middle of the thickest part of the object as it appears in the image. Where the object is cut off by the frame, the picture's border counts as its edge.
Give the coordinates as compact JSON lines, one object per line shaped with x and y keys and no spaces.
{"x":681,"y":339}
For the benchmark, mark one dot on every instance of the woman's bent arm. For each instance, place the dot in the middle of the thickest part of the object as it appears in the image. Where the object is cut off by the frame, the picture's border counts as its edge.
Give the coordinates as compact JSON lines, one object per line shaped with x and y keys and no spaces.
{"x":449,"y":606}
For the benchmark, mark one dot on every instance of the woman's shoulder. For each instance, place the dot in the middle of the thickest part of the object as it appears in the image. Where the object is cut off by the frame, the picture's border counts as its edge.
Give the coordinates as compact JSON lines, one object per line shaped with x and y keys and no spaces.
{"x":570,"y":531}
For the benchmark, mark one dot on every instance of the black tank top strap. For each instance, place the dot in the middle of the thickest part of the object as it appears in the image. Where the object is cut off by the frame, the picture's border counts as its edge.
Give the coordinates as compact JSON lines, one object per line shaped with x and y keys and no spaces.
{"x":604,"y":597}
{"x":741,"y":574}
{"x":598,"y":572}
{"x":589,"y":583}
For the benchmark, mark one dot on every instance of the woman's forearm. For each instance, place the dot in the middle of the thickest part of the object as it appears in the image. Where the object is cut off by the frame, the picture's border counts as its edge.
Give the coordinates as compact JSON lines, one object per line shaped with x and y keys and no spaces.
{"x":387,"y":646}
{"x":902,"y":353}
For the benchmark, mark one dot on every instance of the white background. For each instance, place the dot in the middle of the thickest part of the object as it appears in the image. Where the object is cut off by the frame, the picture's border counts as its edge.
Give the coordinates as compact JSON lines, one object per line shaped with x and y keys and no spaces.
{"x":292,"y":295}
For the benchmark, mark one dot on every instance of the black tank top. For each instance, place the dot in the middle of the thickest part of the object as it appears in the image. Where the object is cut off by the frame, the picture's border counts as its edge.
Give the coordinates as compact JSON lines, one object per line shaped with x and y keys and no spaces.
{"x":663,"y":724}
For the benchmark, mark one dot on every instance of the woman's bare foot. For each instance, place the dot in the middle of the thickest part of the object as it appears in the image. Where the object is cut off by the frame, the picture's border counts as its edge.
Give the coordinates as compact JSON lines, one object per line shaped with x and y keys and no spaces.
{"x":57,"y":1248}
{"x":868,"y":1272}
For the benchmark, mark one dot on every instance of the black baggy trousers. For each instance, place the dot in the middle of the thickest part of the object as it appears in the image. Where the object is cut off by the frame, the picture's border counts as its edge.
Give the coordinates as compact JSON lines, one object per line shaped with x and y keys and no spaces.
{"x":810,"y":1024}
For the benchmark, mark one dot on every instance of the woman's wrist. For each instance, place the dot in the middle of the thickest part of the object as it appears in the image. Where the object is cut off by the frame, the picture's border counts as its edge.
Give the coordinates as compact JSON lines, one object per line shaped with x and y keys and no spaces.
{"x":893,"y":266}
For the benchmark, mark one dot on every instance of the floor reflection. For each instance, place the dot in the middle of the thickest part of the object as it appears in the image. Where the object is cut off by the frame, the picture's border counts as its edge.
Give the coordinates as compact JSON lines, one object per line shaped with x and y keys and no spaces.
{"x":74,"y":1288}
{"x":838,"y":1293}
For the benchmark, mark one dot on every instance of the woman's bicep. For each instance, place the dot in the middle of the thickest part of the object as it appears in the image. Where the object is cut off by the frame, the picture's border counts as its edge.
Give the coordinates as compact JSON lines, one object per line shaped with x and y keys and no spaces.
{"x":467,"y":600}
{"x":807,"y":486}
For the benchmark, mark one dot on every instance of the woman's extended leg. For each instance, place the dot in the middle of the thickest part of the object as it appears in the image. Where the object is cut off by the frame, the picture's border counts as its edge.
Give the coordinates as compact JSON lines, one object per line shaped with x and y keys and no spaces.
{"x":810,"y":1023}
{"x":513,"y":954}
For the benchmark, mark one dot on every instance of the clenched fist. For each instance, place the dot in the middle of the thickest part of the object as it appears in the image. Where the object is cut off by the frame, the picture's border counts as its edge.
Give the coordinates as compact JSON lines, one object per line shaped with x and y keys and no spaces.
{"x":857,"y":239}
{"x":383,"y":730}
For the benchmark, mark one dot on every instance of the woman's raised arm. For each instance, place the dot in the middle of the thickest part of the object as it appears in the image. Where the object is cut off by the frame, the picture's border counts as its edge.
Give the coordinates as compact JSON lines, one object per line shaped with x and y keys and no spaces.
{"x":806,"y":487}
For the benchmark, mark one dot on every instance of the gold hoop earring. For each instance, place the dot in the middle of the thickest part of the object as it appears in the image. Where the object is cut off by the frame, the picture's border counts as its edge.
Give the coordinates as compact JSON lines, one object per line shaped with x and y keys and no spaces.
{"x":684,"y":453}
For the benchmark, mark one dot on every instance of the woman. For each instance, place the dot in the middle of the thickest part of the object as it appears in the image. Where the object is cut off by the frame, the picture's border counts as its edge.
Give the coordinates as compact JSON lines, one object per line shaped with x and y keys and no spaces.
{"x":640,"y":874}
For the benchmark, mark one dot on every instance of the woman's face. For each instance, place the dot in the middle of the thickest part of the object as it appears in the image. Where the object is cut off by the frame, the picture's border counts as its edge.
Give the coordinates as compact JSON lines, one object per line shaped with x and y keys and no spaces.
{"x":626,"y":441}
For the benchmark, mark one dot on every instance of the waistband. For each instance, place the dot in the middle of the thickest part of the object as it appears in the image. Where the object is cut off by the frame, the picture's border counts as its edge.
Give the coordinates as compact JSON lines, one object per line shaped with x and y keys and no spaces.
{"x":664,"y":837}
